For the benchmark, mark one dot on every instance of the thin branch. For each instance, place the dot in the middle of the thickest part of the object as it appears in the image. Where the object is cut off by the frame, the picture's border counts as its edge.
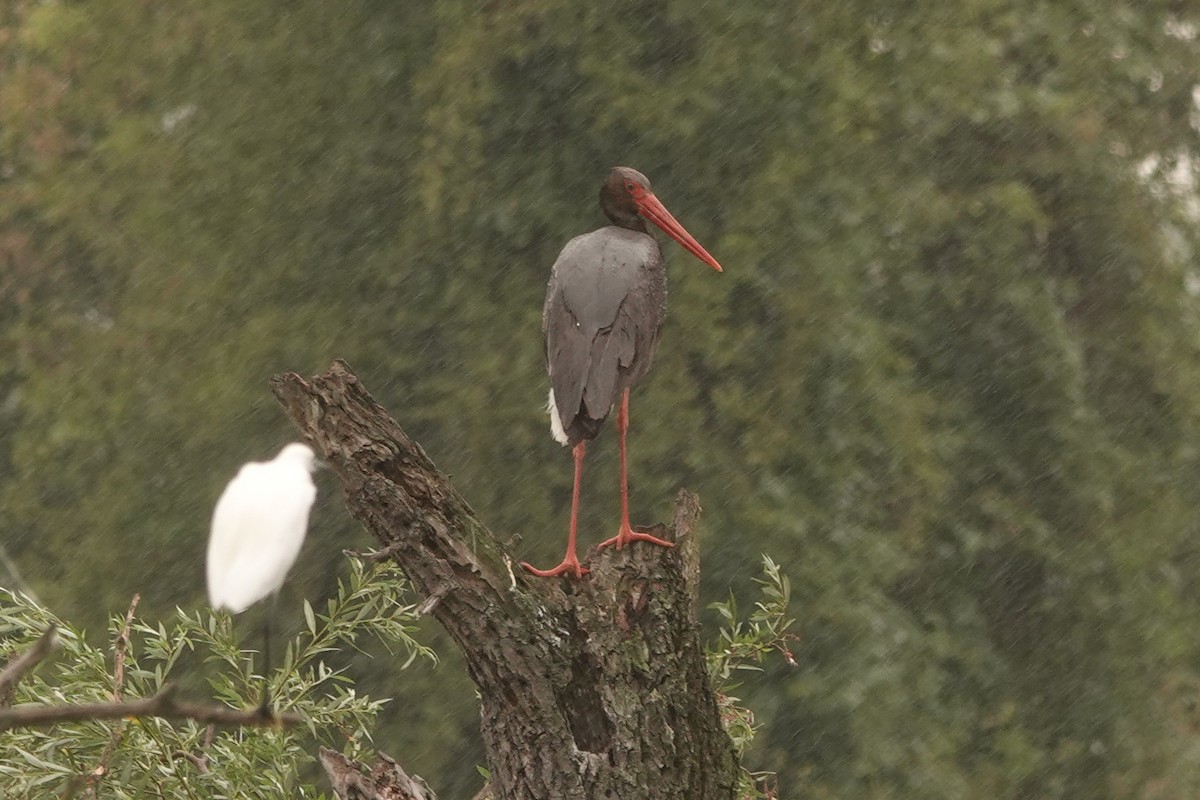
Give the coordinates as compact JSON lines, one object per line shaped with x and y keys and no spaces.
{"x":26,"y":661}
{"x":162,"y":705}
{"x":201,"y":759}
{"x":373,"y":556}
{"x":122,"y":644}
{"x":200,"y":762}
{"x":119,"y":648}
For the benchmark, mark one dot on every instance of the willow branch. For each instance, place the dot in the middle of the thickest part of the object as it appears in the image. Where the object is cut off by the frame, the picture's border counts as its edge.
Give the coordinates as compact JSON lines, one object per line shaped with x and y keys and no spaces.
{"x":162,"y":705}
{"x":26,"y":661}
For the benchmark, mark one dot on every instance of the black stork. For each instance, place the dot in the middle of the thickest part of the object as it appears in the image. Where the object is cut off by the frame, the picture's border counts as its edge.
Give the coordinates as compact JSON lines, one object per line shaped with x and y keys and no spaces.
{"x":604,"y":310}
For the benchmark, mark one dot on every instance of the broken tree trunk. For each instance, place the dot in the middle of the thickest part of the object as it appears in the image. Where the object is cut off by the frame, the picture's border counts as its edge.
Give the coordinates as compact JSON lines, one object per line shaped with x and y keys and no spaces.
{"x":594,"y":688}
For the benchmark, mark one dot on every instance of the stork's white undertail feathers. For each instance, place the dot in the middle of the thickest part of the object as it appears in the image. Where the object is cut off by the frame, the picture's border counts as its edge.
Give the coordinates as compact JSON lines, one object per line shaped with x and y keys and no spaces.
{"x":556,"y":425}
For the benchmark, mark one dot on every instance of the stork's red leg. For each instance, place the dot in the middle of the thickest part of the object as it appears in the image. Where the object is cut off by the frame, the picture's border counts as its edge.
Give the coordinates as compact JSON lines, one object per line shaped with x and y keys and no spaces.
{"x":570,"y":562}
{"x":626,"y":533}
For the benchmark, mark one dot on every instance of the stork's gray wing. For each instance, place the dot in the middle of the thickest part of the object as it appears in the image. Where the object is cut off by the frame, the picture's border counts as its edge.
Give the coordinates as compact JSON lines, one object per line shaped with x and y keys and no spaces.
{"x":604,"y":306}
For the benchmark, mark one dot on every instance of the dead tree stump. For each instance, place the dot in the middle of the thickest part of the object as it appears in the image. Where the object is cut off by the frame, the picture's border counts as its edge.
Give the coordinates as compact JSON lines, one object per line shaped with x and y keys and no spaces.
{"x":590,"y":689}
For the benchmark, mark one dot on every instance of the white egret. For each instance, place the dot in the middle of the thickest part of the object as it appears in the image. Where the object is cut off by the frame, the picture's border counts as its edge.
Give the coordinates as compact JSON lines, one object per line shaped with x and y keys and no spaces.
{"x":258,"y":527}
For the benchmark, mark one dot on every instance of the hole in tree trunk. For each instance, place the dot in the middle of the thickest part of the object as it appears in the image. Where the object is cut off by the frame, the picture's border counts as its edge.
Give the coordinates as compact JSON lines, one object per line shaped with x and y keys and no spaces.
{"x":581,"y":701}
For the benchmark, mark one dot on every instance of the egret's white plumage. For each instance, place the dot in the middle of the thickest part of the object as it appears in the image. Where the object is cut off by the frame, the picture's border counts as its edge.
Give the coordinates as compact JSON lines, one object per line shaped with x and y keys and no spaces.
{"x":258,"y":527}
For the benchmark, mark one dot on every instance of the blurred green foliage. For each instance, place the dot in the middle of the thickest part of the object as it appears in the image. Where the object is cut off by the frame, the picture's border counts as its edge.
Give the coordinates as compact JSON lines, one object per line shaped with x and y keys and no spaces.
{"x":949,"y":378}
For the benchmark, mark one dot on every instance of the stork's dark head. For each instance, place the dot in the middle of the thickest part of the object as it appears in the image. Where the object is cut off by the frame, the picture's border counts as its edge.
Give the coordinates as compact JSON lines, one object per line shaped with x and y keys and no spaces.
{"x":627,"y":200}
{"x":619,"y":196}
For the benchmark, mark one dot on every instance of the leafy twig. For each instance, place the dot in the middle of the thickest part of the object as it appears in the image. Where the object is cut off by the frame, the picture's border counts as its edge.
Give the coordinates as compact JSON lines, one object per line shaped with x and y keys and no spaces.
{"x":742,"y":646}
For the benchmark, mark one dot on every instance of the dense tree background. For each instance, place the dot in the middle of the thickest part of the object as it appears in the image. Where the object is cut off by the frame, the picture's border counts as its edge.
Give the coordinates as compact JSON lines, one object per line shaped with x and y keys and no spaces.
{"x":950,"y":377}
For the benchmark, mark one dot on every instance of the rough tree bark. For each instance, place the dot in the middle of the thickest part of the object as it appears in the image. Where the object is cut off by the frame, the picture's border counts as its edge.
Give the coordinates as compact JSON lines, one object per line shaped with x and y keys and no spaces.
{"x":590,"y":689}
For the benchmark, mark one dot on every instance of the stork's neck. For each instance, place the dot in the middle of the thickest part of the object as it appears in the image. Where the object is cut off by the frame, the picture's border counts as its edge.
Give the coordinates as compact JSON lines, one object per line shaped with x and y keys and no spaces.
{"x":634,"y":223}
{"x":622,"y":217}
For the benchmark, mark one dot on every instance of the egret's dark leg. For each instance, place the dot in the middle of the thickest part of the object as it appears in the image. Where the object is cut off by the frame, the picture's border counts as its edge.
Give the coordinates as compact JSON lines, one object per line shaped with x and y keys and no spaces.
{"x":626,"y":533}
{"x":570,"y":562}
{"x":265,"y":705}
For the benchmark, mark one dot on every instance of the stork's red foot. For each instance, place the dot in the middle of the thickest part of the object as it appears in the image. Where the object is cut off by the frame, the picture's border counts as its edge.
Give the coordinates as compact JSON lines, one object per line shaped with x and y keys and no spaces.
{"x":627,"y":535}
{"x":569,"y":564}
